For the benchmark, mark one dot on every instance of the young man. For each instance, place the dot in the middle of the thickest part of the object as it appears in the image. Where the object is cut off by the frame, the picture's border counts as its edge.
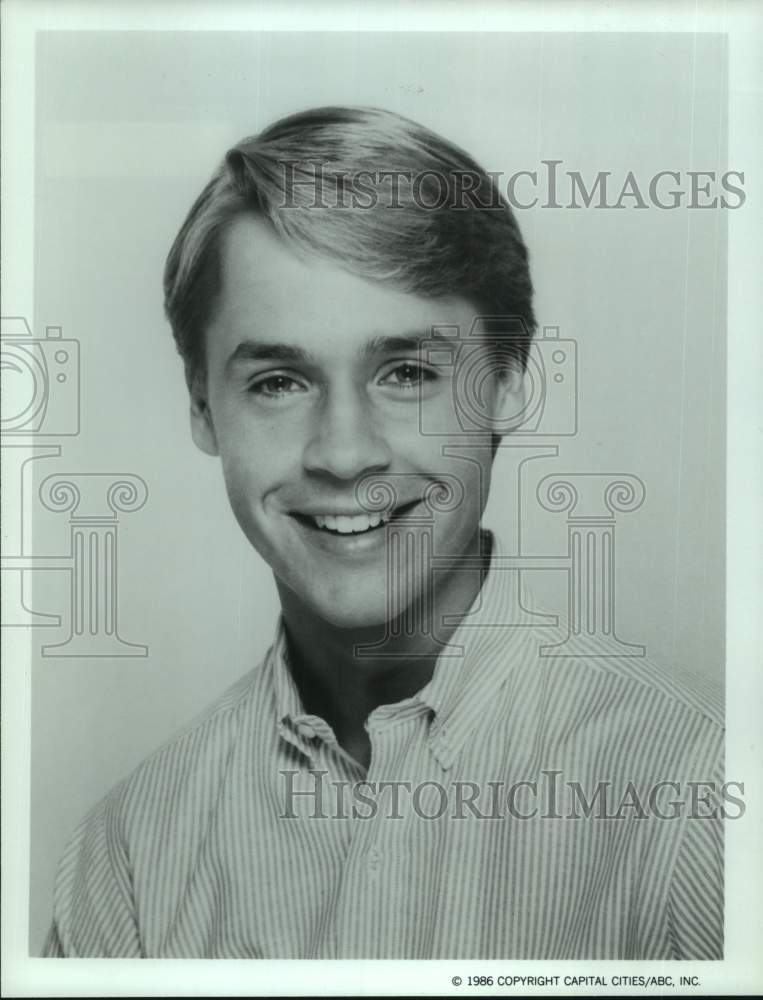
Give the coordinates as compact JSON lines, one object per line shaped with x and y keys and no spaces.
{"x":404,"y":776}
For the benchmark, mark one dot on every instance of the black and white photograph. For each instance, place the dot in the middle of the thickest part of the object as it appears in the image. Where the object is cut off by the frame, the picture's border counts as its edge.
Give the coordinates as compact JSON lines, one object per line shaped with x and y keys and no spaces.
{"x":381,"y":493}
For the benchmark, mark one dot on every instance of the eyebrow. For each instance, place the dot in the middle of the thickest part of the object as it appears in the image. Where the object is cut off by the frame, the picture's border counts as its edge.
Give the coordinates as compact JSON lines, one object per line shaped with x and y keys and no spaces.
{"x":401,"y":342}
{"x":252,"y":350}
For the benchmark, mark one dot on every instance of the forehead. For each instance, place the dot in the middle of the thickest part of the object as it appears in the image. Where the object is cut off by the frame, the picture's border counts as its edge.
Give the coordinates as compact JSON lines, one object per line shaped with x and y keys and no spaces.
{"x":270,"y":290}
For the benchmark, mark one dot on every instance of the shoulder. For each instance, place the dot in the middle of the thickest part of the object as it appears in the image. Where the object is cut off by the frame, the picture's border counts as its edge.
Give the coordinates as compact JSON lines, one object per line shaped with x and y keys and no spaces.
{"x":605,"y":660}
{"x":190,"y":764}
{"x":152,"y":822}
{"x":647,"y":684}
{"x":634,"y":707}
{"x":577,"y":676}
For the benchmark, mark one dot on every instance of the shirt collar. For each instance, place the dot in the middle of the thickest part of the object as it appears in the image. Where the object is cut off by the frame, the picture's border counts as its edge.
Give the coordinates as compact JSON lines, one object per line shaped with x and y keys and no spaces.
{"x":476,"y":663}
{"x":294,"y":723}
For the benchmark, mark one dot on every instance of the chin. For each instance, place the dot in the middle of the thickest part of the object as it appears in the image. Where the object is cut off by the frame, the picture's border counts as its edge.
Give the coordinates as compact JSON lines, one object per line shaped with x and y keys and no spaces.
{"x":353,"y":614}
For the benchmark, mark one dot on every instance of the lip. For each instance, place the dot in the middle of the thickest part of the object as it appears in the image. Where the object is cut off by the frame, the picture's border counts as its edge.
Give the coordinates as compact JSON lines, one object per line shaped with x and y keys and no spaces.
{"x":351,"y":544}
{"x":351,"y":511}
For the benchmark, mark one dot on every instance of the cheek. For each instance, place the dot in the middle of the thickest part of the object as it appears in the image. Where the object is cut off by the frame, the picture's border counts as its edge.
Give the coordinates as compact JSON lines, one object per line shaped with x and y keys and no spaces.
{"x":248,"y":470}
{"x":241,"y":494}
{"x":250,"y":439}
{"x":256,"y":468}
{"x":470,"y":466}
{"x":249,"y":448}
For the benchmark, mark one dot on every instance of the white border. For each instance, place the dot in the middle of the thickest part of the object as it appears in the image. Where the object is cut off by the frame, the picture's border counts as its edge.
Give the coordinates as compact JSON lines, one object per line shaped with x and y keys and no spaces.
{"x":742,"y":971}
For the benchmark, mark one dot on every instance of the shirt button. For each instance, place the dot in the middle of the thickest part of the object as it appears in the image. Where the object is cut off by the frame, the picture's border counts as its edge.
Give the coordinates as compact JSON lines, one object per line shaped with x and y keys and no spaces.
{"x":374,"y":857}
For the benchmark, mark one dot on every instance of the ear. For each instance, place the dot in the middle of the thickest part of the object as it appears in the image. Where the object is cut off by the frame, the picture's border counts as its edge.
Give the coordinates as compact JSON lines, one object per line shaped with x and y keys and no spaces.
{"x":510,"y":399}
{"x":202,"y":427}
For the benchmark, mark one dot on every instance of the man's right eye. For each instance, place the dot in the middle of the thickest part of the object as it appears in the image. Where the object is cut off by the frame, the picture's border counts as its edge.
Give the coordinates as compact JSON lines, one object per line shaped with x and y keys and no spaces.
{"x":276,"y":386}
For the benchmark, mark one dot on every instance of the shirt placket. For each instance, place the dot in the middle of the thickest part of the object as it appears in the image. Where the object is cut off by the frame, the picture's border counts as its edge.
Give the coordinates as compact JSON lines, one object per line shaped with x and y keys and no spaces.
{"x":360,"y":907}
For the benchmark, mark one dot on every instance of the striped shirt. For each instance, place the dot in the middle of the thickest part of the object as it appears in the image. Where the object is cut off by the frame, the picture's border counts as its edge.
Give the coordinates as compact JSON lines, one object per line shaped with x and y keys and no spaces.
{"x":511,"y":809}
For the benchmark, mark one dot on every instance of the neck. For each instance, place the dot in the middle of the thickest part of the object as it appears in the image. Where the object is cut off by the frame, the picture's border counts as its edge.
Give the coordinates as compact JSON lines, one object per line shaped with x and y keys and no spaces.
{"x":338,"y":685}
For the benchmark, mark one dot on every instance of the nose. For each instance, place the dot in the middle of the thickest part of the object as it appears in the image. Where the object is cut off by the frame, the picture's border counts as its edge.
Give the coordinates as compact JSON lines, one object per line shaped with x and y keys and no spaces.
{"x":347,"y":439}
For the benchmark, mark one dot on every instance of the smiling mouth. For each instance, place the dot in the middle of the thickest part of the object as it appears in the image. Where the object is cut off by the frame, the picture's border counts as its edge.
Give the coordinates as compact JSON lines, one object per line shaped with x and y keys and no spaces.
{"x":353,"y":524}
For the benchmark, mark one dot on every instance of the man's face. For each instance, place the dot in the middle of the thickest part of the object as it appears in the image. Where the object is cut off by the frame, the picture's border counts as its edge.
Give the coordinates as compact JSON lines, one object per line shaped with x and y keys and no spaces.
{"x":315,"y":381}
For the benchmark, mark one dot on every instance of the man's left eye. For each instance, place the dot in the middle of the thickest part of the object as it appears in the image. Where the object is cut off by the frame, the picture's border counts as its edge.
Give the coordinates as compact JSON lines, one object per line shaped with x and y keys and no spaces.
{"x":409,"y":376}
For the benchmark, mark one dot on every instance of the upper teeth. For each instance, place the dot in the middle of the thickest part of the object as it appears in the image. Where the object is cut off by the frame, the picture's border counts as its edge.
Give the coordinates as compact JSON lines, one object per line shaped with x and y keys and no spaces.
{"x":345,"y":524}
